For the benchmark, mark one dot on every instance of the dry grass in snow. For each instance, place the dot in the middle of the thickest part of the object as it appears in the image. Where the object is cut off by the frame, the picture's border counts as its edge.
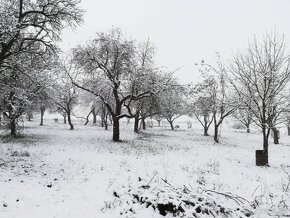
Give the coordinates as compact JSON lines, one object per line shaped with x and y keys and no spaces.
{"x":52,"y":172}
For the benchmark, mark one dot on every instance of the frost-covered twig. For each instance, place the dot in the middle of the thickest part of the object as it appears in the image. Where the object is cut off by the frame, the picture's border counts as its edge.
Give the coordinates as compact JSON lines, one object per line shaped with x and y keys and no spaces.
{"x":239,"y":200}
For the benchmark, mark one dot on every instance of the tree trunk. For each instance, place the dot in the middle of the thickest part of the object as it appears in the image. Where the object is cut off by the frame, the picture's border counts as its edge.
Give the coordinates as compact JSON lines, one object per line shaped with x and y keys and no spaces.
{"x":87,"y":118}
{"x":42,"y":110}
{"x":136,"y":123}
{"x":106,"y":122}
{"x":94,"y":115}
{"x":159,"y":121}
{"x":288,"y":128}
{"x":29,"y":115}
{"x":116,"y":130}
{"x":171,"y":125}
{"x":69,"y":121}
{"x":64,"y":118}
{"x":13,"y":128}
{"x":143,"y":124}
{"x":102,"y":122}
{"x":262,"y":155}
{"x":265,"y":140}
{"x":205,"y":129}
{"x":276,"y":135}
{"x":248,"y":128}
{"x":216,"y":132}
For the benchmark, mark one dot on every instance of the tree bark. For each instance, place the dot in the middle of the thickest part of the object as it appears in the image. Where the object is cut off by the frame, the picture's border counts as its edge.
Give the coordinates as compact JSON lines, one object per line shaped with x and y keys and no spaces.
{"x":102,"y":122}
{"x":88,"y":116}
{"x":94,"y":115}
{"x":288,"y":128}
{"x":276,"y":135}
{"x":143,"y":124}
{"x":159,"y":121}
{"x":136,"y":123}
{"x":64,"y":118}
{"x":29,"y":115}
{"x":248,"y":127}
{"x":205,"y":131}
{"x":13,"y":128}
{"x":265,"y":140}
{"x":171,"y":125}
{"x":262,"y":156}
{"x":69,"y":120}
{"x":216,"y":132}
{"x":106,"y":122}
{"x":42,"y":110}
{"x":116,"y":130}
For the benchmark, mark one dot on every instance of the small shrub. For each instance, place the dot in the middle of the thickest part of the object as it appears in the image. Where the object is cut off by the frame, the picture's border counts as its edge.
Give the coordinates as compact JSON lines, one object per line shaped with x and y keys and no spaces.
{"x":238,"y":126}
{"x":20,"y":154}
{"x":165,"y":199}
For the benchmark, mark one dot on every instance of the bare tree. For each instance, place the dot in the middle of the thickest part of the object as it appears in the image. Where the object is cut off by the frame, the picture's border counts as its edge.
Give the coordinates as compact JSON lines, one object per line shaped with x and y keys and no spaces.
{"x":261,"y":73}
{"x":109,"y":61}
{"x":145,"y":108}
{"x":27,"y":24}
{"x":222,"y":102}
{"x":201,"y":104}
{"x":22,"y":83}
{"x":172,"y":102}
{"x":64,"y":92}
{"x":245,"y":117}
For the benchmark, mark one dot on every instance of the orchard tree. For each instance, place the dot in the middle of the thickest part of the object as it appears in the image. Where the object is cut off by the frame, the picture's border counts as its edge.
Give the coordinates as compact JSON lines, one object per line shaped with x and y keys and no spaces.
{"x":43,"y":101}
{"x":110,"y":70}
{"x":201,"y":105}
{"x":147,"y":107}
{"x":172,"y":102}
{"x":245,"y":116}
{"x":222,"y":102}
{"x":261,"y":73}
{"x":26,"y":23}
{"x":287,"y":122}
{"x":22,"y":83}
{"x":64,"y":93}
{"x":28,"y":31}
{"x":158,"y":117}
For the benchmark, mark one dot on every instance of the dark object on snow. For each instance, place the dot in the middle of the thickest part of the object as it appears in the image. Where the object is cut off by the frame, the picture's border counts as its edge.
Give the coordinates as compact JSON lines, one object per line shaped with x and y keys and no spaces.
{"x":176,"y":126}
{"x":5,"y":205}
{"x":116,"y":194}
{"x":261,"y":158}
{"x":49,"y":186}
{"x":169,"y":208}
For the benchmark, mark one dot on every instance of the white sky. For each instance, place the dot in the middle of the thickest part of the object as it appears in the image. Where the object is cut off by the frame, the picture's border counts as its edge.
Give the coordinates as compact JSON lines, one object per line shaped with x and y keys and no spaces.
{"x":184,"y":31}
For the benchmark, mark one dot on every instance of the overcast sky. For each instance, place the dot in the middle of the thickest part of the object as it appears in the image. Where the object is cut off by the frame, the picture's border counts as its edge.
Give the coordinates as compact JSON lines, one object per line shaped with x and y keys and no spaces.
{"x":184,"y":31}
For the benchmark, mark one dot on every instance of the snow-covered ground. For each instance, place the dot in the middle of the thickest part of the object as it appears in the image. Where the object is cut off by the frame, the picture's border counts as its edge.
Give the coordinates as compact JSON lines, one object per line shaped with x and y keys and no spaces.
{"x":53,"y":172}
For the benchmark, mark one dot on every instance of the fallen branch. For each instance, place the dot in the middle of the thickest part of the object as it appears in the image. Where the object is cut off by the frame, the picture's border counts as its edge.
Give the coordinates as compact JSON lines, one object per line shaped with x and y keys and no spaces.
{"x":239,"y":200}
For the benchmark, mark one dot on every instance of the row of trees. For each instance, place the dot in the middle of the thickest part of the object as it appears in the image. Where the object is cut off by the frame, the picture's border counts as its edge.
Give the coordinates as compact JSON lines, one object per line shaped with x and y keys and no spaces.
{"x":121,"y":76}
{"x":29,"y":31}
{"x":117,"y":77}
{"x":253,"y":87}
